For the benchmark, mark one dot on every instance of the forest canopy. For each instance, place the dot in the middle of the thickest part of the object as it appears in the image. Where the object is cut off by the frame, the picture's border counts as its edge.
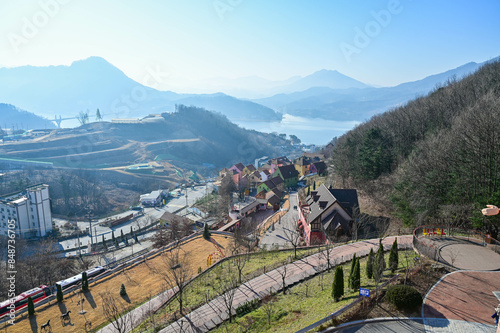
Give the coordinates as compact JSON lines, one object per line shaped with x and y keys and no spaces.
{"x":438,"y":156}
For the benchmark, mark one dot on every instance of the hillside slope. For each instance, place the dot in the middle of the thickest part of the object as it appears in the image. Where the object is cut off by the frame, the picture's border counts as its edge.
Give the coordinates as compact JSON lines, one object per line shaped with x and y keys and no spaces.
{"x":13,"y":117}
{"x":437,"y":157}
{"x":214,"y":140}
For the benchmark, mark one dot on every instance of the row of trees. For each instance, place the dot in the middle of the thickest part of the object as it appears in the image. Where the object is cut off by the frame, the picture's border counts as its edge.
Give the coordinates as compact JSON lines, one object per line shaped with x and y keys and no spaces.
{"x":375,"y":267}
{"x":437,"y":151}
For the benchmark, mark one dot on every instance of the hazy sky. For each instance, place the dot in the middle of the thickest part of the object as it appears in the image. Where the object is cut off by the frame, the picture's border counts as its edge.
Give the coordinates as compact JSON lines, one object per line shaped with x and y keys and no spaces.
{"x":377,"y":42}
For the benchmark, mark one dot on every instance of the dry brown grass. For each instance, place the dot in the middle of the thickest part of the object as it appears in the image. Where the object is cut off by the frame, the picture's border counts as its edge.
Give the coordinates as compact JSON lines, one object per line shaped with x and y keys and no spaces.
{"x":138,"y":280}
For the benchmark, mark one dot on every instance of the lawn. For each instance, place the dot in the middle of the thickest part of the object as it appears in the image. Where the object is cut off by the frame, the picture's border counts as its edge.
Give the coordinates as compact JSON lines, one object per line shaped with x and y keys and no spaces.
{"x":207,"y":286}
{"x":140,"y":284}
{"x":305,"y":303}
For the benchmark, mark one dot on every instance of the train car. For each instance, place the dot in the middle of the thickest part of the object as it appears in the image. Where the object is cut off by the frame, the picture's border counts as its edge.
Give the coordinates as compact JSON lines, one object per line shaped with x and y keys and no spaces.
{"x":78,"y":278}
{"x":21,"y":301}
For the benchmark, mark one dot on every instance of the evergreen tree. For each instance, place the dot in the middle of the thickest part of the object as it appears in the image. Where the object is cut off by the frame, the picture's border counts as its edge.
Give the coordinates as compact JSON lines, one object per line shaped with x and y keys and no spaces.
{"x":135,"y":238}
{"x":379,"y":264}
{"x":113,"y":237}
{"x":394,"y":256}
{"x":59,"y":293}
{"x":122,"y":238}
{"x":369,"y":265}
{"x":31,"y":307}
{"x":356,"y":277}
{"x":314,"y":186}
{"x":308,"y":190}
{"x":338,"y":284}
{"x":85,"y":282}
{"x":131,"y":232}
{"x":98,"y":116}
{"x":206,"y":232}
{"x":351,"y":272}
{"x":104,"y":243}
{"x":123,"y":291}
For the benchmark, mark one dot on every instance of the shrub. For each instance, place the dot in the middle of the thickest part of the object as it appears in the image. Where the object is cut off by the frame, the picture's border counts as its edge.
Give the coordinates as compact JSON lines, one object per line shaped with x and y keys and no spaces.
{"x":394,"y":256}
{"x":404,"y":297}
{"x":369,"y":265}
{"x":31,"y":307}
{"x":85,"y":281}
{"x":247,"y":307}
{"x":206,"y":232}
{"x":338,"y":284}
{"x":123,"y":291}
{"x":59,"y":294}
{"x":356,"y":276}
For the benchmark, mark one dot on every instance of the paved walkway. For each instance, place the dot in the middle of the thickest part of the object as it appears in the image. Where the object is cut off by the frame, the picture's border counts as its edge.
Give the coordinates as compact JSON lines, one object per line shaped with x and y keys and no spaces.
{"x":413,"y":325}
{"x":214,"y":313}
{"x":465,"y":254}
{"x":465,"y":296}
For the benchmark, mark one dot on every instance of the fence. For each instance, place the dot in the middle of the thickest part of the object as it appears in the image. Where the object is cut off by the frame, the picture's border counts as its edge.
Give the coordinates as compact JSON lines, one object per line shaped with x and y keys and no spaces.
{"x":345,"y":308}
{"x":429,"y":250}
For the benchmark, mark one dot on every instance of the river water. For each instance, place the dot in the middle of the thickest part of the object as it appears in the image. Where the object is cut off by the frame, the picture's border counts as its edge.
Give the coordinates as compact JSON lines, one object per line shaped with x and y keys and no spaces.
{"x":310,"y":130}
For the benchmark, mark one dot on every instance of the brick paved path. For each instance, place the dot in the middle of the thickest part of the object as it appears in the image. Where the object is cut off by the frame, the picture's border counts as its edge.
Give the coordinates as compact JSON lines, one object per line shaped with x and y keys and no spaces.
{"x":464,"y":295}
{"x":214,"y":313}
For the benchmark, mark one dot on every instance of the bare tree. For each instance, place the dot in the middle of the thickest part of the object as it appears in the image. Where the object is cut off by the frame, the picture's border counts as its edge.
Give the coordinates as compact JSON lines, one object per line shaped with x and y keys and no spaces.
{"x":114,"y":310}
{"x":228,"y":290}
{"x":175,"y":271}
{"x":327,"y":254}
{"x":160,"y":238}
{"x":268,"y":305}
{"x":240,"y":260}
{"x":292,"y":237}
{"x":282,"y":271}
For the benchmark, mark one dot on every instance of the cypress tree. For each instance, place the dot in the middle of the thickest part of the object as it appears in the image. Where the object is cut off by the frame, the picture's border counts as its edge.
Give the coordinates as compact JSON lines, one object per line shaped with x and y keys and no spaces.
{"x":85,"y":282}
{"x":113,"y":237}
{"x":369,"y":265}
{"x":308,"y":190}
{"x":104,"y":243}
{"x":122,"y":237}
{"x":31,"y":307}
{"x":394,"y":256}
{"x":314,"y":185}
{"x":338,"y":284}
{"x":353,"y":265}
{"x":379,"y":264}
{"x":356,"y":277}
{"x":123,"y":291}
{"x":59,"y":293}
{"x":206,"y":232}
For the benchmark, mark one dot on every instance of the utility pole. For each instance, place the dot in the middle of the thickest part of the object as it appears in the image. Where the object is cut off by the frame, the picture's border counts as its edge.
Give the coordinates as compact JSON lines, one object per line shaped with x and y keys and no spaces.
{"x":89,"y":216}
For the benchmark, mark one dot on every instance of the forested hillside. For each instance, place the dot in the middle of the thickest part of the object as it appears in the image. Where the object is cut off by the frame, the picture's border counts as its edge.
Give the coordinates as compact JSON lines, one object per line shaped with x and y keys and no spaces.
{"x":437,"y":158}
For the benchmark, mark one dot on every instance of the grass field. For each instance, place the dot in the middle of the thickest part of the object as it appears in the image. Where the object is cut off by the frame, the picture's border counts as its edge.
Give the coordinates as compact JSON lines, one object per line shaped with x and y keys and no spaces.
{"x":138,"y":280}
{"x":305,"y":303}
{"x":206,"y":288}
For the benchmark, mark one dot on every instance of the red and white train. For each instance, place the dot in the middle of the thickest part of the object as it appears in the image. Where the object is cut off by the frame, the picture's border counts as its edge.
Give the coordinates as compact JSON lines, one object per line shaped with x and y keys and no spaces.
{"x":21,"y":300}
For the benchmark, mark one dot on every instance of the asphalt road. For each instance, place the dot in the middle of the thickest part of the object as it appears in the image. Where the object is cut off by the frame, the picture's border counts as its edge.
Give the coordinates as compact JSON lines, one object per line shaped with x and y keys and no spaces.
{"x":288,"y":221}
{"x":150,"y":215}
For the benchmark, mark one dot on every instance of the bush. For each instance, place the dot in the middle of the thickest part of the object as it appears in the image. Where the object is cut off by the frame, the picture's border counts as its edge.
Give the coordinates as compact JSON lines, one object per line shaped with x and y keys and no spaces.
{"x":247,"y":307}
{"x":404,"y":297}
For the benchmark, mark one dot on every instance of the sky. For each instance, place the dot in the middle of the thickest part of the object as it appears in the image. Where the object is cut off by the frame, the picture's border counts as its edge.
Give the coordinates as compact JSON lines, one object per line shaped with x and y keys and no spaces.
{"x":383,"y":43}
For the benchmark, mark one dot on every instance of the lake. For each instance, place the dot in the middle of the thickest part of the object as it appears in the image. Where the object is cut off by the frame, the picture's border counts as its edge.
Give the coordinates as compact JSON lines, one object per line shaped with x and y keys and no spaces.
{"x":310,"y":130}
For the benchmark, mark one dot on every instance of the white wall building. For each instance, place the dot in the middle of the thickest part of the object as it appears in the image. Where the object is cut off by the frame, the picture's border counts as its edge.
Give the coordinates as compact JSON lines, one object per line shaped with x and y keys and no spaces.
{"x":30,"y":210}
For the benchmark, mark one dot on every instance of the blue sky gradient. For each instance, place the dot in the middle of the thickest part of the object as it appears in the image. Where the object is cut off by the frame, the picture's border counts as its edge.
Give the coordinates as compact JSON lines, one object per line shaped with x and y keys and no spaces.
{"x":194,"y":40}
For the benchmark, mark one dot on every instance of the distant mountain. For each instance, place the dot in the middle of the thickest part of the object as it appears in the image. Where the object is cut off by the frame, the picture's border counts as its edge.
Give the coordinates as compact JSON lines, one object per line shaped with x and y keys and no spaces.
{"x":324,"y":78}
{"x":358,"y":103}
{"x":94,"y":83}
{"x":13,"y":117}
{"x":254,"y":87}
